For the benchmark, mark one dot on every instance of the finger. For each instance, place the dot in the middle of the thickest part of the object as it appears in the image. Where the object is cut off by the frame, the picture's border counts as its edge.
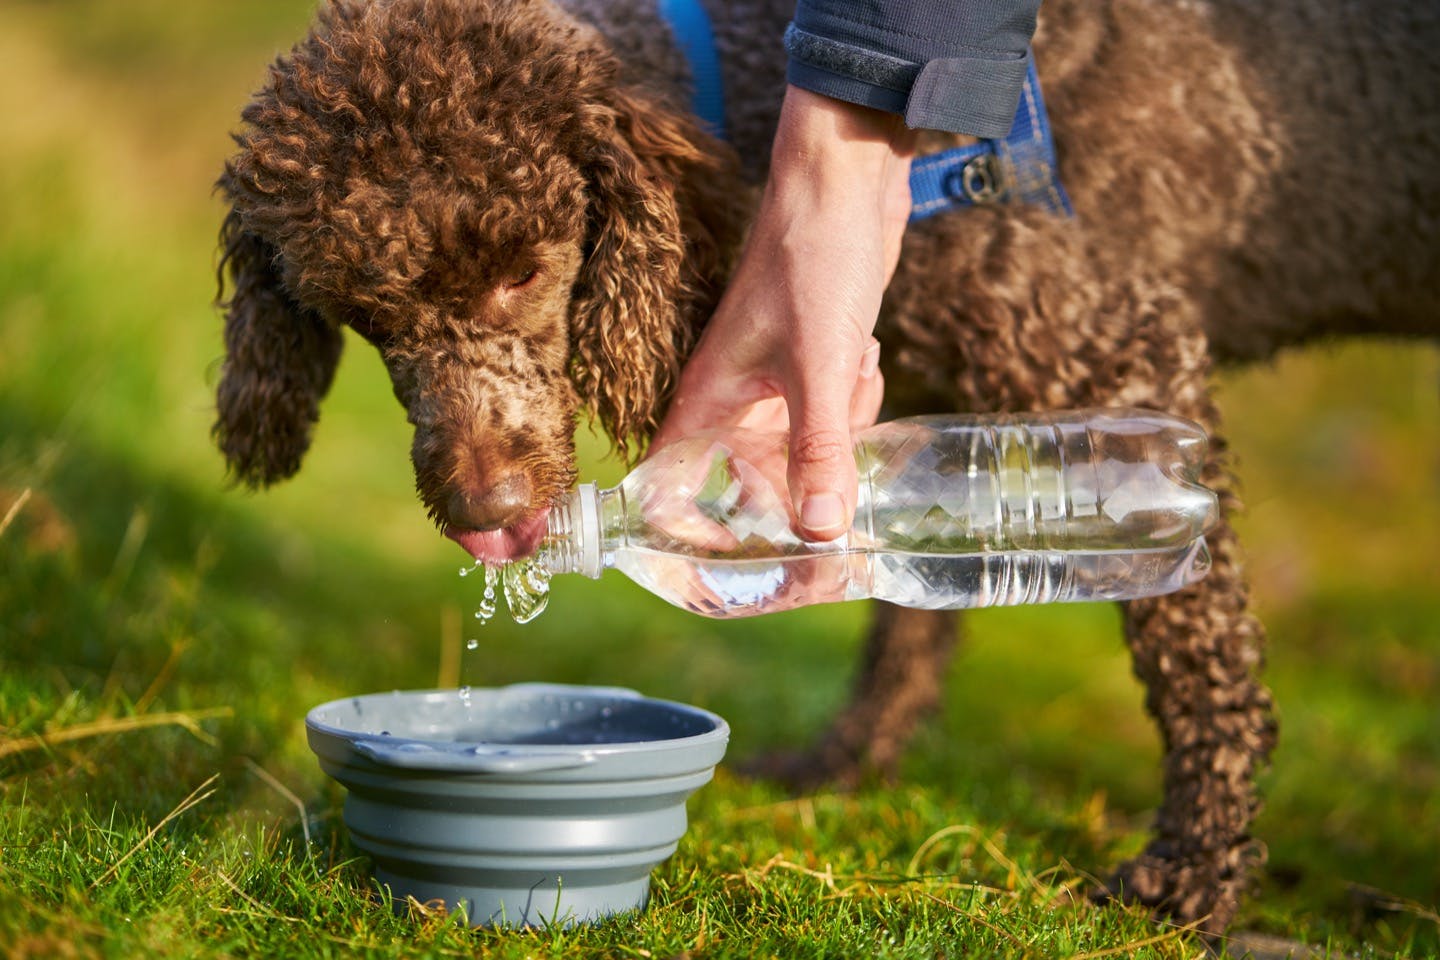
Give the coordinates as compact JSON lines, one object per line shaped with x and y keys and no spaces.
{"x":869,"y":390}
{"x":822,"y":467}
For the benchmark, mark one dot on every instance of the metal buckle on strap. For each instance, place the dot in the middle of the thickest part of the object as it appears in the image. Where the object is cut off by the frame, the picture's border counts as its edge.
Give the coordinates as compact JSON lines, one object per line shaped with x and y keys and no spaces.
{"x":980,"y":179}
{"x":1017,"y":169}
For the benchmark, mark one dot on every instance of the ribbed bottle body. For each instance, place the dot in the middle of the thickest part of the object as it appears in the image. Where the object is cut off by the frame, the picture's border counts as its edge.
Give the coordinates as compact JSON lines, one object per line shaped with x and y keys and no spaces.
{"x":1084,"y":480}
{"x":744,"y":588}
{"x":953,"y":512}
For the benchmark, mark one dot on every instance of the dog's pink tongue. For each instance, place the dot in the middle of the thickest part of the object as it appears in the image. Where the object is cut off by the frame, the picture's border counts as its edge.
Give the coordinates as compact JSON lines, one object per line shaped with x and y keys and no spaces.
{"x":501,"y":546}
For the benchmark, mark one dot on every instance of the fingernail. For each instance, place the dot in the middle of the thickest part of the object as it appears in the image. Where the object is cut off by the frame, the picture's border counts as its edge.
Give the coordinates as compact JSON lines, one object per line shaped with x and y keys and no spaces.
{"x":822,"y":512}
{"x":870,"y":360}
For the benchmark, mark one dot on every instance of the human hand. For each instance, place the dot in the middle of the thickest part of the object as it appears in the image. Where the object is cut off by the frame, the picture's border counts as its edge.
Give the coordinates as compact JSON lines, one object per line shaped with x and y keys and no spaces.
{"x":790,"y":345}
{"x":720,"y":551}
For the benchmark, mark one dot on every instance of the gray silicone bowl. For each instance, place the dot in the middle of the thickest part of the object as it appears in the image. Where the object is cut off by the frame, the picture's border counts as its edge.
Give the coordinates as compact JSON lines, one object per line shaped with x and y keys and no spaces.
{"x":525,"y":805}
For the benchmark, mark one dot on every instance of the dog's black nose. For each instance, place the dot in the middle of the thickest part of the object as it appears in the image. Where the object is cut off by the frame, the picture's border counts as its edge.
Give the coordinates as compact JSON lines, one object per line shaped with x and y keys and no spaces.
{"x":501,"y":504}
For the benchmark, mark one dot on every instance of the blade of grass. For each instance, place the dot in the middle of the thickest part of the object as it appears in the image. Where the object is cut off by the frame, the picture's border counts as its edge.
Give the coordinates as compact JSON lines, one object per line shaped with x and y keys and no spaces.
{"x":970,"y":915}
{"x":198,"y":795}
{"x":1011,"y":868}
{"x":1131,"y":948}
{"x":285,"y":792}
{"x":136,"y":531}
{"x":167,"y":671}
{"x":81,"y":731}
{"x":14,"y":510}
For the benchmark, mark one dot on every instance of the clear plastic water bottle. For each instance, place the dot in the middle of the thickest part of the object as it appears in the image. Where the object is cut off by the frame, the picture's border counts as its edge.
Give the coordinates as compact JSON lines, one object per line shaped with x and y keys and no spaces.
{"x":953,"y":512}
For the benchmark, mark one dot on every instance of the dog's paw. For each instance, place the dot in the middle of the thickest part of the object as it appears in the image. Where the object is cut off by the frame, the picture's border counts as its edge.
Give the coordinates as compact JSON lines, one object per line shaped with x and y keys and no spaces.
{"x":1181,"y":893}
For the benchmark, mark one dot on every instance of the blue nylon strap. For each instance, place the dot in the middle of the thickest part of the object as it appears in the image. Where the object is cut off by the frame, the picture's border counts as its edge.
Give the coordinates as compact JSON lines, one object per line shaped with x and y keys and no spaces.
{"x":1021,"y":167}
{"x":691,"y":26}
{"x":1018,"y":168}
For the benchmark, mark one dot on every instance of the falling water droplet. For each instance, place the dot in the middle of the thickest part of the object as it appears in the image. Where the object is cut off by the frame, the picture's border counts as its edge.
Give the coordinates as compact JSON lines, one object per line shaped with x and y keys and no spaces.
{"x":486,"y":610}
{"x":465,"y":695}
{"x":527,"y":589}
{"x":472,"y":644}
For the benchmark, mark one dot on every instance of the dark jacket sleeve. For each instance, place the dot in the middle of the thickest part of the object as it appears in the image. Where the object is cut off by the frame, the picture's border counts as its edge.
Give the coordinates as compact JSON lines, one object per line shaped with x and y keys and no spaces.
{"x":954,"y":65}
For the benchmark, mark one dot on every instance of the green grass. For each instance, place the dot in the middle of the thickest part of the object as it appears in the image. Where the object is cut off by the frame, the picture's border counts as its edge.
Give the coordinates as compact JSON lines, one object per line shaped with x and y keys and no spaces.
{"x":177,"y":631}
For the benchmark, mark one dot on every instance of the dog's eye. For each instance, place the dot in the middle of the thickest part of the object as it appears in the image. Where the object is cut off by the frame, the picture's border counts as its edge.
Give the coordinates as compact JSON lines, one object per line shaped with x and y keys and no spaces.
{"x":521,"y":278}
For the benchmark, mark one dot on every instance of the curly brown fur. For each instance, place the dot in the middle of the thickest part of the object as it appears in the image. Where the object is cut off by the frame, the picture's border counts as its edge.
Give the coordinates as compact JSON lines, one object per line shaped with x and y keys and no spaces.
{"x":1208,"y":170}
{"x":507,"y":198}
{"x":279,"y":361}
{"x":476,"y":190}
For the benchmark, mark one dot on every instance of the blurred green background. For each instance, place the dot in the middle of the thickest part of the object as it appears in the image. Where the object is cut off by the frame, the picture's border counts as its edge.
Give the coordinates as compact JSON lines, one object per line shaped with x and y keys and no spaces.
{"x":133,"y":580}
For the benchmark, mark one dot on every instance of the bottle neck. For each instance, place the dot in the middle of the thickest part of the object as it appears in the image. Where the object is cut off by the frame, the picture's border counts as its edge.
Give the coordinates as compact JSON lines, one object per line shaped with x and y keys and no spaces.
{"x":573,"y":534}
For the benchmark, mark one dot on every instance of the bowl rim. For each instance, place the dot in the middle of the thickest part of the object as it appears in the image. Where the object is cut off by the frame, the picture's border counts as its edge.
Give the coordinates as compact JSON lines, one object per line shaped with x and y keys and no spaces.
{"x":408,"y":750}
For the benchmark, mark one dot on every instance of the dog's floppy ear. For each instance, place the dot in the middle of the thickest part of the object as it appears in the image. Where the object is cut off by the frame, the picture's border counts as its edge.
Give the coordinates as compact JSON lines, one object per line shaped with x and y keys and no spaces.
{"x":633,"y":318}
{"x":279,"y":361}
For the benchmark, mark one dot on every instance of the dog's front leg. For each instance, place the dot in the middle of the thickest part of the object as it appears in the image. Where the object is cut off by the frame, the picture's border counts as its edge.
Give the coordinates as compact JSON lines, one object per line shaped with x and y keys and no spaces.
{"x":1197,"y":653}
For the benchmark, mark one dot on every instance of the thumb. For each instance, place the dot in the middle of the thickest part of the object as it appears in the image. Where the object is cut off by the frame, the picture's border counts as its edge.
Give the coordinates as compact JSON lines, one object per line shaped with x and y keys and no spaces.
{"x":821,"y":471}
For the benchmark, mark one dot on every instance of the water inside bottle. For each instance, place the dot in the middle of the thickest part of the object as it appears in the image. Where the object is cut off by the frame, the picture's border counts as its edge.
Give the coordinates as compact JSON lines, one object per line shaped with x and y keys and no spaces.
{"x":749,"y":587}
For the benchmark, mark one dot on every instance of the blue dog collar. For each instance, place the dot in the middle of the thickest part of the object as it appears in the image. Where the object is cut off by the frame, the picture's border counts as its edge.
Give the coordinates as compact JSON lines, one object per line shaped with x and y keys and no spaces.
{"x":1020,"y":167}
{"x":691,"y":26}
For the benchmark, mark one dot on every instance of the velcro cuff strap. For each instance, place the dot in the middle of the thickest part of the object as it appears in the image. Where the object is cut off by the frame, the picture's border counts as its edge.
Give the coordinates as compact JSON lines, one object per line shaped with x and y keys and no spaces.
{"x":849,"y":61}
{"x":967,"y":95}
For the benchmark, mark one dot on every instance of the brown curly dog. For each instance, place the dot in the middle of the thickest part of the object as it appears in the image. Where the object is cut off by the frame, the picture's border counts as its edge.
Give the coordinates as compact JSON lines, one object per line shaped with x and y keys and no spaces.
{"x":512,"y":202}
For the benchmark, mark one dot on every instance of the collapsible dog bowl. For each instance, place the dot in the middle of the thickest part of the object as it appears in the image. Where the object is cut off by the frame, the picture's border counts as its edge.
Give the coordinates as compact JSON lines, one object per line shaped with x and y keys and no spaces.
{"x":526,"y":805}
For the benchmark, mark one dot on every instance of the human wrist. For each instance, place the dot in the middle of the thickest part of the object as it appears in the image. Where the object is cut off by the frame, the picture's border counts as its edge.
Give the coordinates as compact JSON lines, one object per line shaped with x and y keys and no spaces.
{"x":824,"y":145}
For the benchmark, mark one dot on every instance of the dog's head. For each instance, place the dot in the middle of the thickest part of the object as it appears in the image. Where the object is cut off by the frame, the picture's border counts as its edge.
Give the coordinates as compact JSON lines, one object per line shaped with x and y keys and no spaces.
{"x":469,"y":185}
